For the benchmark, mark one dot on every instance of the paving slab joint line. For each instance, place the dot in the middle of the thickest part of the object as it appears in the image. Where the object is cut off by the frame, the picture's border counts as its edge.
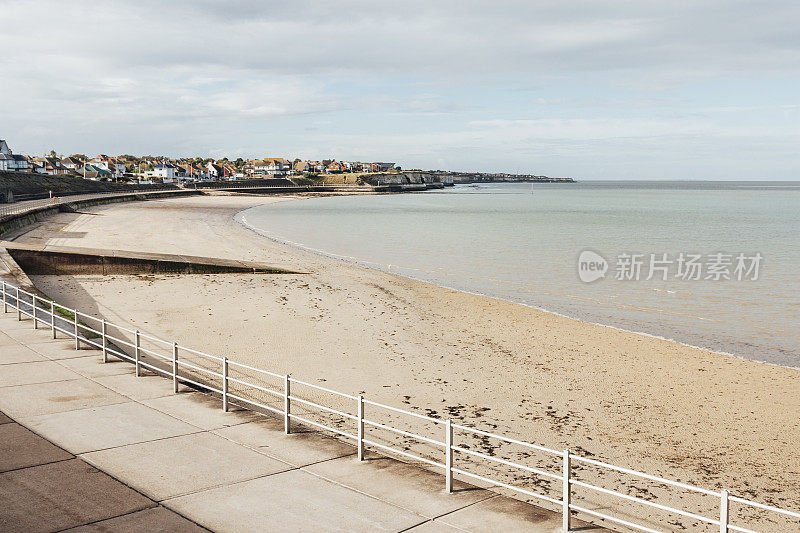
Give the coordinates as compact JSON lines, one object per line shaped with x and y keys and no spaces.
{"x":79,"y":376}
{"x":430,"y":521}
{"x":154,"y":506}
{"x":348,"y":487}
{"x":81,"y":455}
{"x":164,"y":501}
{"x":291,"y":468}
{"x":40,"y":464}
{"x":487,"y":498}
{"x":433,"y":519}
{"x":90,"y":354}
{"x":277,"y":458}
{"x":170,"y":394}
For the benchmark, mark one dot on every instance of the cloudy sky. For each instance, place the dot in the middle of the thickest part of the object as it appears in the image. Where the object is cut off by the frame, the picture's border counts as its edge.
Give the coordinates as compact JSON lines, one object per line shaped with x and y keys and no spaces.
{"x":594,"y":89}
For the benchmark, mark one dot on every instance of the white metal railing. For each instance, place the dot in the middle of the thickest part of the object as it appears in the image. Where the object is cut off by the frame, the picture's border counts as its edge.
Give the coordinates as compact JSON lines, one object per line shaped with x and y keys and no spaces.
{"x":171,"y":362}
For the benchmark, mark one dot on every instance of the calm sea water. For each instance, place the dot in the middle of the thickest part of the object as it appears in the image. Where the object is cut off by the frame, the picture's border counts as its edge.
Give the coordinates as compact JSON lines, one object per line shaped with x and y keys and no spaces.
{"x":522,"y":243}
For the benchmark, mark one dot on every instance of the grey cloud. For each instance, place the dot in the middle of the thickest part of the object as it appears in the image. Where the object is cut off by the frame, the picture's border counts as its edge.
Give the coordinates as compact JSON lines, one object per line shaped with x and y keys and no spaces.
{"x":421,"y":38}
{"x":185,"y":76}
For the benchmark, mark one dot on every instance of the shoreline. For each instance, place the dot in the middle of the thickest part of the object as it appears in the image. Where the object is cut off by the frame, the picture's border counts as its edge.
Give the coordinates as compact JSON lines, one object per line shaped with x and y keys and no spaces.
{"x":636,"y":401}
{"x":239,"y":218}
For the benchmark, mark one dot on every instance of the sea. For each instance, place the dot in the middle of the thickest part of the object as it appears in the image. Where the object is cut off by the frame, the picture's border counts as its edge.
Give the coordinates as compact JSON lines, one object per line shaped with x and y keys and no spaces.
{"x":707,"y":263}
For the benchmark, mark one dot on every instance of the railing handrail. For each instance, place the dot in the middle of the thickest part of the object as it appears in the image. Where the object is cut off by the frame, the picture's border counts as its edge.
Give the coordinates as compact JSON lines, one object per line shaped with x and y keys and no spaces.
{"x":22,"y":206}
{"x":31,"y":309}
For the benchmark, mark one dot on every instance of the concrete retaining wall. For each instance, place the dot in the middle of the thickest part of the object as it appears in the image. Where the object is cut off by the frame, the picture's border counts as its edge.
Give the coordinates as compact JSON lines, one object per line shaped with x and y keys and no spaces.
{"x":37,"y":259}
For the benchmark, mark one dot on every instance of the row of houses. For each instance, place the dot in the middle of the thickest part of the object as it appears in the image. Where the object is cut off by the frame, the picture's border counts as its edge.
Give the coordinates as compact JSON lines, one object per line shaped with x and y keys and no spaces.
{"x":169,"y":170}
{"x":24,"y":163}
{"x":97,"y":168}
{"x":279,"y":166}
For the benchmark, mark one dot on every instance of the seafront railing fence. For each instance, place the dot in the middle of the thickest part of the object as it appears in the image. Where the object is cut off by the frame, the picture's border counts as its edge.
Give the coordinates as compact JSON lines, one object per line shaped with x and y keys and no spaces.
{"x":28,"y":205}
{"x":575,"y":484}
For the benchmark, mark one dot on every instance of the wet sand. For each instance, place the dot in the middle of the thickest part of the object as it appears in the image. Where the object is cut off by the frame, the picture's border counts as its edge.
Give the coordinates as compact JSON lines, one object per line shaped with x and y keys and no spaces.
{"x":633,"y":400}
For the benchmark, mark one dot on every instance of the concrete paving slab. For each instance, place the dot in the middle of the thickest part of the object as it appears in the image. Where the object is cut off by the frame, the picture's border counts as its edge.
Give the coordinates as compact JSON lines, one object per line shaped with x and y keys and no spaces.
{"x":400,"y":484}
{"x":41,"y":398}
{"x":5,"y":419}
{"x":60,"y":348}
{"x":181,"y":465}
{"x":141,"y":388}
{"x":109,"y":426}
{"x":293,"y":500}
{"x":200,"y":410}
{"x":5,"y":340}
{"x":17,"y":353}
{"x":92,"y":366}
{"x":61,"y":495}
{"x":23,"y":331}
{"x":9,"y":322}
{"x":433,"y":526}
{"x":34,"y":372}
{"x":154,"y":520}
{"x":21,"y":448}
{"x":298,"y":449}
{"x":507,"y":514}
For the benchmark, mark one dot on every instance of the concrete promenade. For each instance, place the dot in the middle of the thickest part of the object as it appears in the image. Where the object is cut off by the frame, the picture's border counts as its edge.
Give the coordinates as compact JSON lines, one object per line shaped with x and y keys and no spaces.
{"x":88,"y":445}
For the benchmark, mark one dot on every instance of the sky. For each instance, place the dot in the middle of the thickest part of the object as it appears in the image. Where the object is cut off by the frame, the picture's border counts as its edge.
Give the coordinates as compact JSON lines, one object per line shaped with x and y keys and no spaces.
{"x":591,"y":90}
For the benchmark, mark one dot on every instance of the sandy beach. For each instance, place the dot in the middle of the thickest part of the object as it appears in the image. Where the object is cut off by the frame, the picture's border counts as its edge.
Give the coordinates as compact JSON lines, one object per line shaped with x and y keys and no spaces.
{"x":633,"y":400}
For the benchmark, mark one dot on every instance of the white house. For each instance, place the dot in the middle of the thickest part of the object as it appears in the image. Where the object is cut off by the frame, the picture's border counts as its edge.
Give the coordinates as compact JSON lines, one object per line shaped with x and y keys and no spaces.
{"x":116,"y":169}
{"x":274,"y":166}
{"x":9,"y":161}
{"x":215,"y":172}
{"x":165,"y":171}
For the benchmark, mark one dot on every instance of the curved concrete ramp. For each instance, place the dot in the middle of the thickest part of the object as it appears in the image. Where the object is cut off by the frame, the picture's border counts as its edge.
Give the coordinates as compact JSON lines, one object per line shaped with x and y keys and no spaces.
{"x":59,"y":260}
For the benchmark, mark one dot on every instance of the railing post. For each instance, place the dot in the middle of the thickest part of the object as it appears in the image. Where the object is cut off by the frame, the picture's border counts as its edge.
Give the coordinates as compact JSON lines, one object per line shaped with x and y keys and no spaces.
{"x":33,"y":311}
{"x":287,"y":404}
{"x":360,"y":428}
{"x":104,"y":344}
{"x":225,"y":384}
{"x":175,"y":367}
{"x":77,"y":342}
{"x":724,"y":513}
{"x":53,"y":318}
{"x":448,"y":456}
{"x":19,"y":307}
{"x":565,"y":497}
{"x":136,"y":354}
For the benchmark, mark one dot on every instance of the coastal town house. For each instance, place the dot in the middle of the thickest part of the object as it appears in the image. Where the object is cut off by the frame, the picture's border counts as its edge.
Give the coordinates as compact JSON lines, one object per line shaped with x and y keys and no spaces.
{"x":92,"y":172}
{"x":303,"y":166}
{"x":271,"y":167}
{"x":165,"y":171}
{"x":72,"y":163}
{"x":115,"y":168}
{"x":336,"y":167}
{"x":10,"y":161}
{"x":219,"y":172}
{"x":49,"y":165}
